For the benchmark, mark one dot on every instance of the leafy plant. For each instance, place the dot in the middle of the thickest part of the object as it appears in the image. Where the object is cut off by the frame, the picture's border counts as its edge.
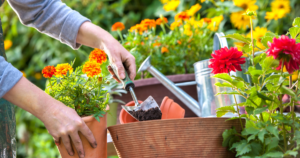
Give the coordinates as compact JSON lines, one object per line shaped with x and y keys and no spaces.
{"x":269,"y":132}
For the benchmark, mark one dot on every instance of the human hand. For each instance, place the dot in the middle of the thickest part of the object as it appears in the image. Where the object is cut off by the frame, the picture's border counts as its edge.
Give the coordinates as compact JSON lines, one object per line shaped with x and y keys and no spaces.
{"x":63,"y":124}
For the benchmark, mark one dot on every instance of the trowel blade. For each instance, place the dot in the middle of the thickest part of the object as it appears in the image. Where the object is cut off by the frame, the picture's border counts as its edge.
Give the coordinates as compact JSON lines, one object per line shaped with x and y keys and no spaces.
{"x":147,"y":104}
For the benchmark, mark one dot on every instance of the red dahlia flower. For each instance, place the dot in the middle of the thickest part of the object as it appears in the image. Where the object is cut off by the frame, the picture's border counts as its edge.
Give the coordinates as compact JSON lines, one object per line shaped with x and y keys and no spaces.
{"x":287,"y":51}
{"x":226,"y":60}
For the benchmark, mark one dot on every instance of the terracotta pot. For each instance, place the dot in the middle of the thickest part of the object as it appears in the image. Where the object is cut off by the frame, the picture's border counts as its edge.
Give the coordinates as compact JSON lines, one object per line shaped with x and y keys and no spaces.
{"x":173,"y":138}
{"x":171,"y":110}
{"x":151,"y":86}
{"x":124,"y":117}
{"x":100,"y":133}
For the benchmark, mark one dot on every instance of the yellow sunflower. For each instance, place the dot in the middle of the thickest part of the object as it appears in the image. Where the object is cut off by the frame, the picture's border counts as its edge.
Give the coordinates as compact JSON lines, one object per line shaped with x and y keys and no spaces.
{"x":171,"y":5}
{"x":246,"y":4}
{"x":275,"y":15}
{"x":257,"y":34}
{"x":283,"y":5}
{"x":239,"y":20}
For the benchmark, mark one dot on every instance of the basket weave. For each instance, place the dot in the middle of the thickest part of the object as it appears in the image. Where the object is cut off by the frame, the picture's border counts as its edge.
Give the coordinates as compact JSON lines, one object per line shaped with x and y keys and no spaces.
{"x":174,"y":138}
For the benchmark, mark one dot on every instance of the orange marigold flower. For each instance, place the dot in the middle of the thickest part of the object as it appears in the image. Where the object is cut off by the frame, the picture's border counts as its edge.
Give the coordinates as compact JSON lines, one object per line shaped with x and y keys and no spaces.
{"x":179,"y":42}
{"x":156,"y":44}
{"x":164,"y":50}
{"x":161,"y":21}
{"x":207,"y":20}
{"x":98,"y":56}
{"x":62,"y":69}
{"x":48,"y":71}
{"x":142,"y":43}
{"x":91,"y":68}
{"x":149,"y":23}
{"x":118,"y":26}
{"x":182,"y":16}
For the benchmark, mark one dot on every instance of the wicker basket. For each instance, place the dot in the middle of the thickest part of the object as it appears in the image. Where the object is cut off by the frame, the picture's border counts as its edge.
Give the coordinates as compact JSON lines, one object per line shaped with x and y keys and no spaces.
{"x":189,"y":137}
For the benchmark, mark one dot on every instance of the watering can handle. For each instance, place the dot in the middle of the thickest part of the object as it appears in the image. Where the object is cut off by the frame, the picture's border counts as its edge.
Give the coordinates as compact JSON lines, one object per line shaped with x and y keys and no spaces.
{"x":219,"y":39}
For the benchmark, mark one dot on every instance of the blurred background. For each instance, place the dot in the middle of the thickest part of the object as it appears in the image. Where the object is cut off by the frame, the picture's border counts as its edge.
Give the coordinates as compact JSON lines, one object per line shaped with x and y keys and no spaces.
{"x":30,"y":51}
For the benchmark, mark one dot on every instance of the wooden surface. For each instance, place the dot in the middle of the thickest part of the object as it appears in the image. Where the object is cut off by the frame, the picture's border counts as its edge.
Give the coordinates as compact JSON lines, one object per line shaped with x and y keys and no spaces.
{"x":175,"y":138}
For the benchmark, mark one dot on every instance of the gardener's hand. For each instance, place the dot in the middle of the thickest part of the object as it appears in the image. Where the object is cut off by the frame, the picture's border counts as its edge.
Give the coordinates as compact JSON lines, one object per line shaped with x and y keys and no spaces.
{"x":94,"y":36}
{"x":61,"y":121}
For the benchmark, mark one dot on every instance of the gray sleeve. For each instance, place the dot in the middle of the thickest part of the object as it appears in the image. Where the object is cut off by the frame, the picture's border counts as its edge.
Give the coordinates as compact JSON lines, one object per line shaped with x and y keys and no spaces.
{"x":51,"y":17}
{"x":9,"y":76}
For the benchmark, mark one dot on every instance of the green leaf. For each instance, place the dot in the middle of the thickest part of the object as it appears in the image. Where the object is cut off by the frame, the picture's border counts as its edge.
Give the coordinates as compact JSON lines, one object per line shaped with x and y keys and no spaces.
{"x":249,"y":110}
{"x":242,"y":147}
{"x":285,"y":90}
{"x":227,"y":135}
{"x":239,"y":37}
{"x":296,"y":22}
{"x":225,"y":84}
{"x":272,"y":77}
{"x":250,"y":130}
{"x":271,"y":34}
{"x":238,"y":84}
{"x":97,"y":118}
{"x":225,"y":109}
{"x":269,"y":62}
{"x":251,"y":137}
{"x":271,"y":143}
{"x":273,"y":130}
{"x":259,"y":110}
{"x":263,"y":96}
{"x":290,"y":152}
{"x":274,"y":154}
{"x":256,"y":148}
{"x":265,"y":40}
{"x":223,"y":76}
{"x":261,"y":135}
{"x":294,"y":31}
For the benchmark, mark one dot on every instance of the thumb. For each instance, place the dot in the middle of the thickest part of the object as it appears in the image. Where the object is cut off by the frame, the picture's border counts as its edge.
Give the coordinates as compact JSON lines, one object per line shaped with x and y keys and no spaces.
{"x":120,"y":69}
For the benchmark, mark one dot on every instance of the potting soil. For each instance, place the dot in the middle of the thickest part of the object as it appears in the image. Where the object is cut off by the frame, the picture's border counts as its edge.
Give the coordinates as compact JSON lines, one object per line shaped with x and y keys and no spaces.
{"x":150,"y":114}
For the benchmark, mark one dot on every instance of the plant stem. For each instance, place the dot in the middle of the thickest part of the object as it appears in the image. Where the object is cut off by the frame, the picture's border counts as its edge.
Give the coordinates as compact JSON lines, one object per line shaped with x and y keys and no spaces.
{"x":281,"y":112}
{"x":50,"y":83}
{"x":163,"y":28}
{"x":238,"y":110}
{"x":120,"y":34}
{"x":251,"y":24}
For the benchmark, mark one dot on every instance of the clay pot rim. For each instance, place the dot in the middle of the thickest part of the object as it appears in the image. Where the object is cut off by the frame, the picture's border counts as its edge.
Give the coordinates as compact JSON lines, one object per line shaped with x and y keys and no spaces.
{"x":191,"y":118}
{"x":90,"y":118}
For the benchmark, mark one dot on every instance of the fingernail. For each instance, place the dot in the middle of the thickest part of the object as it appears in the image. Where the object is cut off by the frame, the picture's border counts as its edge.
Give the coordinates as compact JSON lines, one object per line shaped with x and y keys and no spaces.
{"x":122,"y":75}
{"x":56,"y":143}
{"x":71,"y":153}
{"x":95,"y":145}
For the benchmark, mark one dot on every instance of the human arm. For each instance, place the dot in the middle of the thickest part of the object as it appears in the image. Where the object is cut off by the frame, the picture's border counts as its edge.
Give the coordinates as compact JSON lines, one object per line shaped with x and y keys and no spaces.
{"x":57,"y":20}
{"x":60,"y":120}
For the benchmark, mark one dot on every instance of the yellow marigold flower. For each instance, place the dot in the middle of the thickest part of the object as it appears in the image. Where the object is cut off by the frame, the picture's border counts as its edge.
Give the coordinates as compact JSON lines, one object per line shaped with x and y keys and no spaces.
{"x":246,"y":4}
{"x":98,"y":56}
{"x":7,"y":44}
{"x":257,"y":34}
{"x":171,"y":5}
{"x":62,"y":69}
{"x":182,"y":16}
{"x":239,"y":20}
{"x":24,"y":74}
{"x":91,"y":68}
{"x":149,"y":23}
{"x":118,"y":26}
{"x":281,"y":5}
{"x":195,"y":23}
{"x":202,"y":1}
{"x":164,"y":1}
{"x":275,"y":15}
{"x":164,"y":50}
{"x":175,"y":24}
{"x":215,"y":22}
{"x":187,"y":30}
{"x":194,"y":9}
{"x":38,"y":76}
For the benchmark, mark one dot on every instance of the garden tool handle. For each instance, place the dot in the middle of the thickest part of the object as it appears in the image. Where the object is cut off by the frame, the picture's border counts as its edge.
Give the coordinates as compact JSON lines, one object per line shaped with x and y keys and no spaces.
{"x":127,"y":83}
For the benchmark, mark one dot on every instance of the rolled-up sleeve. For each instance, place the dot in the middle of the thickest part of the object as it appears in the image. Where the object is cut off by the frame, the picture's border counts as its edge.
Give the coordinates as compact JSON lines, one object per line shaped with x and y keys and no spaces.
{"x":9,"y":76}
{"x":51,"y":17}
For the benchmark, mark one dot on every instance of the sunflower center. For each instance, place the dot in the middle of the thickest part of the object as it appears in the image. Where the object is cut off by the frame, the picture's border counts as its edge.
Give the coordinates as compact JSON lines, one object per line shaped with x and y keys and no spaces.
{"x":244,"y":6}
{"x":281,"y":7}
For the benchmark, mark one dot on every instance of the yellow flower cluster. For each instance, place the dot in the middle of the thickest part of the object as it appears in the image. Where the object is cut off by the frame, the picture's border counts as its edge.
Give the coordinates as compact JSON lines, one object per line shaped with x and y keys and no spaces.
{"x":170,"y":5}
{"x":7,"y":44}
{"x":239,"y":20}
{"x":280,"y":8}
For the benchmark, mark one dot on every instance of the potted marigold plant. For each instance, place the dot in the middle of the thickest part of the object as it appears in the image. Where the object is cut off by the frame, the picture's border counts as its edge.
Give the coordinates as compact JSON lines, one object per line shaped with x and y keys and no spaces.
{"x":268,"y":132}
{"x":83,"y":89}
{"x":174,"y":48}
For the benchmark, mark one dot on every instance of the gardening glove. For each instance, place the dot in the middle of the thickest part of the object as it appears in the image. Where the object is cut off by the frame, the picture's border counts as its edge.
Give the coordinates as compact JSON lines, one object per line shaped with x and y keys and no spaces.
{"x":62,"y":122}
{"x":95,"y":37}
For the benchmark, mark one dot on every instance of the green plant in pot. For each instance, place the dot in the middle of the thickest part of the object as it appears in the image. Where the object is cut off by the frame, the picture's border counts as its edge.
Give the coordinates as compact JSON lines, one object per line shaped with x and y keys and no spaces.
{"x":83,"y":89}
{"x":268,"y":132}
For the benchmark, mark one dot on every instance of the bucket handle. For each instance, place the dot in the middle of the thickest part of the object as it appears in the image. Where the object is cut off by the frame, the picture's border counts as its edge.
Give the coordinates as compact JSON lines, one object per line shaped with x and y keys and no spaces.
{"x":219,"y":40}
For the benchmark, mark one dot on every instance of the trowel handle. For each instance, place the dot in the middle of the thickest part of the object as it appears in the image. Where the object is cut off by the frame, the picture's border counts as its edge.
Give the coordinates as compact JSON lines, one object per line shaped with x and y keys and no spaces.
{"x":126,"y":81}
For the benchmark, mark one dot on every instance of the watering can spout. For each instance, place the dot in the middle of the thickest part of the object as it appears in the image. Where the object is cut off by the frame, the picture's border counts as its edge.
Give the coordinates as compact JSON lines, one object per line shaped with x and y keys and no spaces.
{"x":190,"y":102}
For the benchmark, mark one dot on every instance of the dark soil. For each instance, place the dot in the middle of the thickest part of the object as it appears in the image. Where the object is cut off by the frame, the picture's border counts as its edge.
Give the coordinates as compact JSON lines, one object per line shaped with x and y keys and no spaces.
{"x":150,"y":114}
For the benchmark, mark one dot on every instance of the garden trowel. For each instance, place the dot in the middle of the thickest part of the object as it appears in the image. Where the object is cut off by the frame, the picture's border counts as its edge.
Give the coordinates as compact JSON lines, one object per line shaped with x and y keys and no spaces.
{"x":142,"y":108}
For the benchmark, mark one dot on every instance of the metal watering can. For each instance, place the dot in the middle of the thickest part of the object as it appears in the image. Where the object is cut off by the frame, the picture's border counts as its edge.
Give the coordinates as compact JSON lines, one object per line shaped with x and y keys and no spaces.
{"x":206,"y":89}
